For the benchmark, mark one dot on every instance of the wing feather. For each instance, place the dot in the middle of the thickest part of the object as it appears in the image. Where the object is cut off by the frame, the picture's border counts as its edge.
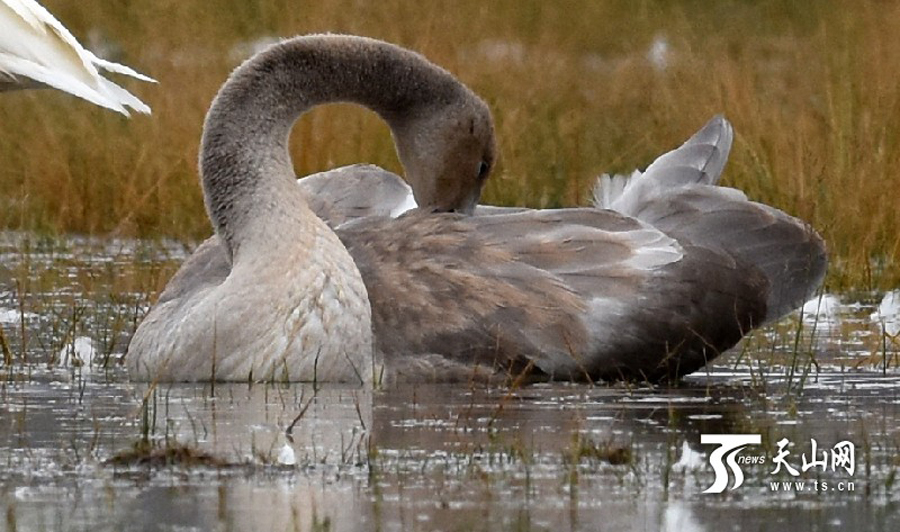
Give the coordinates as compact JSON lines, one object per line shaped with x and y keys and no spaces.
{"x":35,"y":46}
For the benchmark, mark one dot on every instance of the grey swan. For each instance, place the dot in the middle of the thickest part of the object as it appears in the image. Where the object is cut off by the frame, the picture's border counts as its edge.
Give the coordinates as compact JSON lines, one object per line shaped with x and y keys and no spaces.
{"x":313,"y":322}
{"x":671,"y":272}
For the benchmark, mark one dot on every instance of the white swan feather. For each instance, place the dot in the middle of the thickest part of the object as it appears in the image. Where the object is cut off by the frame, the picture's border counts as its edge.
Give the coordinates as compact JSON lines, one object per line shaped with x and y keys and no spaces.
{"x":36,"y":49}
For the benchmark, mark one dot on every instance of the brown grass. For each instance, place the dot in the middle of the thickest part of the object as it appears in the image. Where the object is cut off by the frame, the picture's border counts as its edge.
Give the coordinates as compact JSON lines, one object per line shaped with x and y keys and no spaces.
{"x":811,"y":88}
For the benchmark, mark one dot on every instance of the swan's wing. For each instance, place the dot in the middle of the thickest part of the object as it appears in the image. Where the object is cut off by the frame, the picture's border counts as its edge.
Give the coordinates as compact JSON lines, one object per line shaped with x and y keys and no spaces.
{"x":35,"y":46}
{"x":781,"y":259}
{"x":677,"y":194}
{"x":656,"y":306}
{"x":592,"y":251}
{"x":573,"y":293}
{"x":208,"y":266}
{"x":756,"y":262}
{"x":356,"y":191}
{"x":790,"y":254}
{"x":487,"y":293}
{"x":443,"y":297}
{"x":118,"y":68}
{"x":700,"y":160}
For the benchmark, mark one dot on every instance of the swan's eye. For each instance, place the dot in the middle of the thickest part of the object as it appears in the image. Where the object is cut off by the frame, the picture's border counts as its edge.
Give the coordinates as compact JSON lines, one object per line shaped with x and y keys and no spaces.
{"x":483,"y":169}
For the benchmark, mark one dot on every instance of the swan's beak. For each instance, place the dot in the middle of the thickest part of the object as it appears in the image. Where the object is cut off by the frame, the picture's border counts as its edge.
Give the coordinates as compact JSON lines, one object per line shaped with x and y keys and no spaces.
{"x":468,"y":208}
{"x":449,"y":203}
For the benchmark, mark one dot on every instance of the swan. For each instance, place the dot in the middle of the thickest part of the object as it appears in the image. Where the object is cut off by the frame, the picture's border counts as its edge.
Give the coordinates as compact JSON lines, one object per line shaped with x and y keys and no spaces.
{"x":663,"y":274}
{"x":37,"y":50}
{"x":293,"y":305}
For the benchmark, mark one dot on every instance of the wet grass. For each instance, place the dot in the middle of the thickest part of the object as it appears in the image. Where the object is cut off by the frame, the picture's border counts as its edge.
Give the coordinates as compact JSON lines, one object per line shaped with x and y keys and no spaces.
{"x":810,"y":88}
{"x":168,"y":456}
{"x":61,"y":290}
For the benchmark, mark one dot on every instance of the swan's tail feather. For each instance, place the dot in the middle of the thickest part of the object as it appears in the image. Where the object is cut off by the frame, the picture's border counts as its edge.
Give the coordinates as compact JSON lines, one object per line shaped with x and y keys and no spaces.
{"x":610,"y":188}
{"x":700,"y":160}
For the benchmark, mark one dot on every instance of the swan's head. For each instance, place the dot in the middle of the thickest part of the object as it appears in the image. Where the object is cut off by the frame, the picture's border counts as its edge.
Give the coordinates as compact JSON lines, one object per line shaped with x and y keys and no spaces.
{"x":448,"y":153}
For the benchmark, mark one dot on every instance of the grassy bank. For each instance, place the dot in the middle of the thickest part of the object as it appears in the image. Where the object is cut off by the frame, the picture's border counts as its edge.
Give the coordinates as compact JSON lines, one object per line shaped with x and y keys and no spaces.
{"x":810,"y":87}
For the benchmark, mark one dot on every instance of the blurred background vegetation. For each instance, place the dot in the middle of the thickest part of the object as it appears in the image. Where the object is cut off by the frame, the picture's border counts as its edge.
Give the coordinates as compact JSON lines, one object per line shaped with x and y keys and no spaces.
{"x":577,"y":88}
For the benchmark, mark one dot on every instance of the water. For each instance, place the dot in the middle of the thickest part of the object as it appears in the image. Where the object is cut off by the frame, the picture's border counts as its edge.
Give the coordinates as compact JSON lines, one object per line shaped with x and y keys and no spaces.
{"x":542,"y":457}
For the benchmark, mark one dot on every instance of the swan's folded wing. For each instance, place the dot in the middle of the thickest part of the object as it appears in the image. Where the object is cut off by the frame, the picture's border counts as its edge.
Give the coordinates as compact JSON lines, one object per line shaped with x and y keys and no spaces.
{"x":677,"y":194}
{"x":438,"y":287}
{"x":356,"y":191}
{"x":592,"y":251}
{"x":655,"y":306}
{"x":208,"y":266}
{"x":790,"y":254}
{"x":548,"y":289}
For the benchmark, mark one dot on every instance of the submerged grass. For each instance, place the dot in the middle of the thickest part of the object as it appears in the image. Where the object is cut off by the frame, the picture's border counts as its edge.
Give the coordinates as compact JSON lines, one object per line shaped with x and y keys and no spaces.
{"x":172,"y":455}
{"x":810,"y":87}
{"x":68,"y":291}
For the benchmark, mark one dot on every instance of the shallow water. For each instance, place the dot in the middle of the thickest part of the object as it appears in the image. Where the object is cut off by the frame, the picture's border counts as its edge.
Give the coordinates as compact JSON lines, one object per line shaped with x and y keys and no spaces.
{"x":540,"y":457}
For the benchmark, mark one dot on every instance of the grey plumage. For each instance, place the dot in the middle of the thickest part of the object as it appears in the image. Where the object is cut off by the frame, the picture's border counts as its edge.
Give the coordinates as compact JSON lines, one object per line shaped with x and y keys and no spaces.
{"x":288,"y":299}
{"x":336,"y":196}
{"x":659,"y":293}
{"x":678,"y":195}
{"x":674,"y":271}
{"x":356,"y":191}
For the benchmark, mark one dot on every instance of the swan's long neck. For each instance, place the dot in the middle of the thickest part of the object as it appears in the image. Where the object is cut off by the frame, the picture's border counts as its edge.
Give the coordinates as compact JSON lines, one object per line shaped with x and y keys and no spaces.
{"x":245,"y":167}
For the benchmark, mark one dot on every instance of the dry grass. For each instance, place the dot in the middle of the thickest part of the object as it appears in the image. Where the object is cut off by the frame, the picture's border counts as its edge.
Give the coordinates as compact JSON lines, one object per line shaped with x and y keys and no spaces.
{"x":811,"y":88}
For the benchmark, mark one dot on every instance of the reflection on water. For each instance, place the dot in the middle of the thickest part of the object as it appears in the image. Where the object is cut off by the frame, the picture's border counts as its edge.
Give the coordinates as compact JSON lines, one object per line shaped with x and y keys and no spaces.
{"x":541,"y":457}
